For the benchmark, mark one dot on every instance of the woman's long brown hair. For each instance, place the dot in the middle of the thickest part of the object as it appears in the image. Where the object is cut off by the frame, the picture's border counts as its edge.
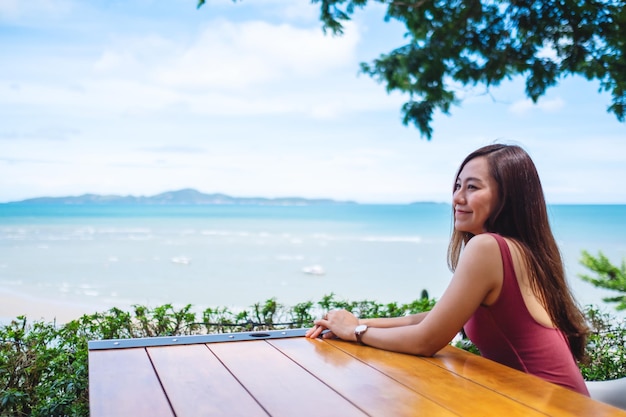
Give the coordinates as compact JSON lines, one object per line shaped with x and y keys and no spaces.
{"x":522,"y":216}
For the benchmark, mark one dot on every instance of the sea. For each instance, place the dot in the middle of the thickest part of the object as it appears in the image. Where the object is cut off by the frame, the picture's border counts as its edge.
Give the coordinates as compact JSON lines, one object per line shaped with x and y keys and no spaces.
{"x":237,"y":255}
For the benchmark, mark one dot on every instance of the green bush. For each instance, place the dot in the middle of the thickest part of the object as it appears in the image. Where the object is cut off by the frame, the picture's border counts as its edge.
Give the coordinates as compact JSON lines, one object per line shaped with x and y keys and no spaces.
{"x":43,"y":369}
{"x":606,"y":347}
{"x":43,"y":366}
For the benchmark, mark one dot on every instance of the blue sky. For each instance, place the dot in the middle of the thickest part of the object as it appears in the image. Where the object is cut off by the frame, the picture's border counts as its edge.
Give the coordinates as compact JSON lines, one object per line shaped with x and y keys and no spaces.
{"x":251,"y":99}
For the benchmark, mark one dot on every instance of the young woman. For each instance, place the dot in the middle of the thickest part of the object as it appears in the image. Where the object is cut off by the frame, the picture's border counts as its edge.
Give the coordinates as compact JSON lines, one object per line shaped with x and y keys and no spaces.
{"x":508,"y":290}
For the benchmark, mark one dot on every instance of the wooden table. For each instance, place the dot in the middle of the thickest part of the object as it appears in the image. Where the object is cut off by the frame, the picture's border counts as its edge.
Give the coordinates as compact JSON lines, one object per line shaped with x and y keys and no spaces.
{"x":281,"y":373}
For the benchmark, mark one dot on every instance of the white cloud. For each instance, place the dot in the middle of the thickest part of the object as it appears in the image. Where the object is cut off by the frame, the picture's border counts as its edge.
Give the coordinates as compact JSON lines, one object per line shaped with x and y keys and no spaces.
{"x":135,"y":56}
{"x":17,"y":10}
{"x":300,"y":11}
{"x":525,"y":106}
{"x":230,"y":68}
{"x":10,"y":9}
{"x":240,"y":55}
{"x":248,"y":68}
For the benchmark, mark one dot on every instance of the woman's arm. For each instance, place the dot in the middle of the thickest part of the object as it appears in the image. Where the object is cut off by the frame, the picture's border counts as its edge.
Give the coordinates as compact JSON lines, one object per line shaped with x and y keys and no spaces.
{"x":386,"y":322}
{"x":380,"y":322}
{"x":477,"y":277}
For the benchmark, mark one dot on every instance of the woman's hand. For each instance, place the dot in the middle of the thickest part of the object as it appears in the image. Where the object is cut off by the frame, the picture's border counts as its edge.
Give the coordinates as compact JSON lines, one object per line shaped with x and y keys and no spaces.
{"x":340,"y":323}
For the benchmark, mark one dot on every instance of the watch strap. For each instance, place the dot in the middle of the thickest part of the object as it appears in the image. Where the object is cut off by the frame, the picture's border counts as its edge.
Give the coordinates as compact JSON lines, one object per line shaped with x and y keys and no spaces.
{"x":358,"y":332}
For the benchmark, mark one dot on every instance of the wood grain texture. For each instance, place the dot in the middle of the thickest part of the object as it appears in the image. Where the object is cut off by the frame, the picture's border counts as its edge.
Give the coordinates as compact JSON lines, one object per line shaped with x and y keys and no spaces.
{"x":375,"y":392}
{"x":281,"y":385}
{"x":198,"y":385}
{"x":123,"y":383}
{"x":457,"y":393}
{"x":541,"y":395}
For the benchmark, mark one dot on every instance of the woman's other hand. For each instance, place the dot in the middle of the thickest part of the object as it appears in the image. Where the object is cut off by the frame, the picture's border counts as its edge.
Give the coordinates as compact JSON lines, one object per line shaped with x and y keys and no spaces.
{"x":340,"y":323}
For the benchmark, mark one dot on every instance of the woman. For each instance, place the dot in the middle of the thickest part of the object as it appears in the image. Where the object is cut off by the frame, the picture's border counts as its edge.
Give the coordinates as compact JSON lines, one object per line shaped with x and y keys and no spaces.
{"x":508,"y":290}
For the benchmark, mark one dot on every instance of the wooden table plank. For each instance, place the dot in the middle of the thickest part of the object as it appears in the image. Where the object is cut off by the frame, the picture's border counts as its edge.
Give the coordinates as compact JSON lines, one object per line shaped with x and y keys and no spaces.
{"x":376,"y":393}
{"x":303,"y":377}
{"x":455,"y":392}
{"x":123,"y":383}
{"x":198,"y":385}
{"x":279,"y":384}
{"x":542,"y":395}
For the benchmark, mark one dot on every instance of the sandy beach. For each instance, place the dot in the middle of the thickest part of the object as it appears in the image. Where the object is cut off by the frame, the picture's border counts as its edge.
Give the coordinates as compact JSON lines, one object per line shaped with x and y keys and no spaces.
{"x":13,"y":304}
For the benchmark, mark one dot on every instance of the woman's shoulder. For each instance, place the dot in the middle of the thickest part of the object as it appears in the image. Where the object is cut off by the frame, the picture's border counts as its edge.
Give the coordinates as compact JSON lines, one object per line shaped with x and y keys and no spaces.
{"x":482,"y":248}
{"x":484,"y":241}
{"x":481,"y":265}
{"x":492,"y":241}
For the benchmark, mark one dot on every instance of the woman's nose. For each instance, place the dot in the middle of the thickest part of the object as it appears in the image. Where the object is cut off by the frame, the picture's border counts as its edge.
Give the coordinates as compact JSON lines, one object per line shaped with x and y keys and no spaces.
{"x":458,"y":197}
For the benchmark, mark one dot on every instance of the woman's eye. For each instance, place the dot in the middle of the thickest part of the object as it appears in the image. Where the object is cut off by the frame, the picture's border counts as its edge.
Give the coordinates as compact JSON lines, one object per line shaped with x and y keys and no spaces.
{"x":457,"y":186}
{"x":471,"y":187}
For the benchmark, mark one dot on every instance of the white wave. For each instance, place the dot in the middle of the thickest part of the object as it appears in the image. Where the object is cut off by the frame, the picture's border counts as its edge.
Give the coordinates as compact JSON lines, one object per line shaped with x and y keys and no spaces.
{"x":390,"y":239}
{"x":289,"y":257}
{"x":181,"y":260}
{"x":323,"y":236}
{"x":123,"y":230}
{"x":139,"y":237}
{"x":216,"y":233}
{"x":314,"y":270}
{"x":85,"y":231}
{"x":226,"y":233}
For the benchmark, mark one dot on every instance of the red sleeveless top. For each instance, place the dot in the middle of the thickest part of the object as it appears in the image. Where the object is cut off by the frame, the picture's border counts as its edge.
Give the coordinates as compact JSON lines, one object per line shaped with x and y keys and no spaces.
{"x":506,"y":332}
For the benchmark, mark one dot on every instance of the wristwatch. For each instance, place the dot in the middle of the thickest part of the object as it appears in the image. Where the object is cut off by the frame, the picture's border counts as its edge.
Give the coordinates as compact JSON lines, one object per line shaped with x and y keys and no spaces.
{"x":358,"y":332}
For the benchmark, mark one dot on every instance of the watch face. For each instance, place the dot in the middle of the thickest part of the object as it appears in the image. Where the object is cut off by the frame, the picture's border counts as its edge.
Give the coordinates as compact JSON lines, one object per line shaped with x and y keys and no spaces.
{"x":360,"y":328}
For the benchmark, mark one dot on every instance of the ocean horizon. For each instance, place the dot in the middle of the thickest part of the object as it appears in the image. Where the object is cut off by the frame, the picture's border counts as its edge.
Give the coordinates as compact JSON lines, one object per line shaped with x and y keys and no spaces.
{"x":236,"y":255}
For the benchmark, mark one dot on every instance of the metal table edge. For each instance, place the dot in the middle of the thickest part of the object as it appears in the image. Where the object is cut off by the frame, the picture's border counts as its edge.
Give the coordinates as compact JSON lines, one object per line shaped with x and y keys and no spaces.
{"x":193,"y":339}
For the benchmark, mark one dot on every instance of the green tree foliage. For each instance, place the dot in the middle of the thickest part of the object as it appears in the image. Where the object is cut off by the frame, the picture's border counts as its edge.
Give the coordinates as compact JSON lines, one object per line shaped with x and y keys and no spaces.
{"x":607,"y":276}
{"x":464,"y":43}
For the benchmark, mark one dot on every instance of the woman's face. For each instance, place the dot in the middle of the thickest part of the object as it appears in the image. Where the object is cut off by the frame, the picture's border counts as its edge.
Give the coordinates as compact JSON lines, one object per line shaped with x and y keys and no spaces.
{"x":475,"y":196}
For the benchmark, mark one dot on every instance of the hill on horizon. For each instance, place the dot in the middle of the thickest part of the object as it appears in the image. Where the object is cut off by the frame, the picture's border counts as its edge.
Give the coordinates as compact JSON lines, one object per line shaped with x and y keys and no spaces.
{"x":188,"y":196}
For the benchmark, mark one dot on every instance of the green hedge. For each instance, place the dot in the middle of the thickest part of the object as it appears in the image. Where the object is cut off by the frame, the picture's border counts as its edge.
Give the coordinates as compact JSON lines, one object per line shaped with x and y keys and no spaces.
{"x":606,"y":346}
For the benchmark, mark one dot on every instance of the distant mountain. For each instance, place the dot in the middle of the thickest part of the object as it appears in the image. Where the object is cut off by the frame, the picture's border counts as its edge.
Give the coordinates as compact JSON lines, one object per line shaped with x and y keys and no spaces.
{"x":186,"y":196}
